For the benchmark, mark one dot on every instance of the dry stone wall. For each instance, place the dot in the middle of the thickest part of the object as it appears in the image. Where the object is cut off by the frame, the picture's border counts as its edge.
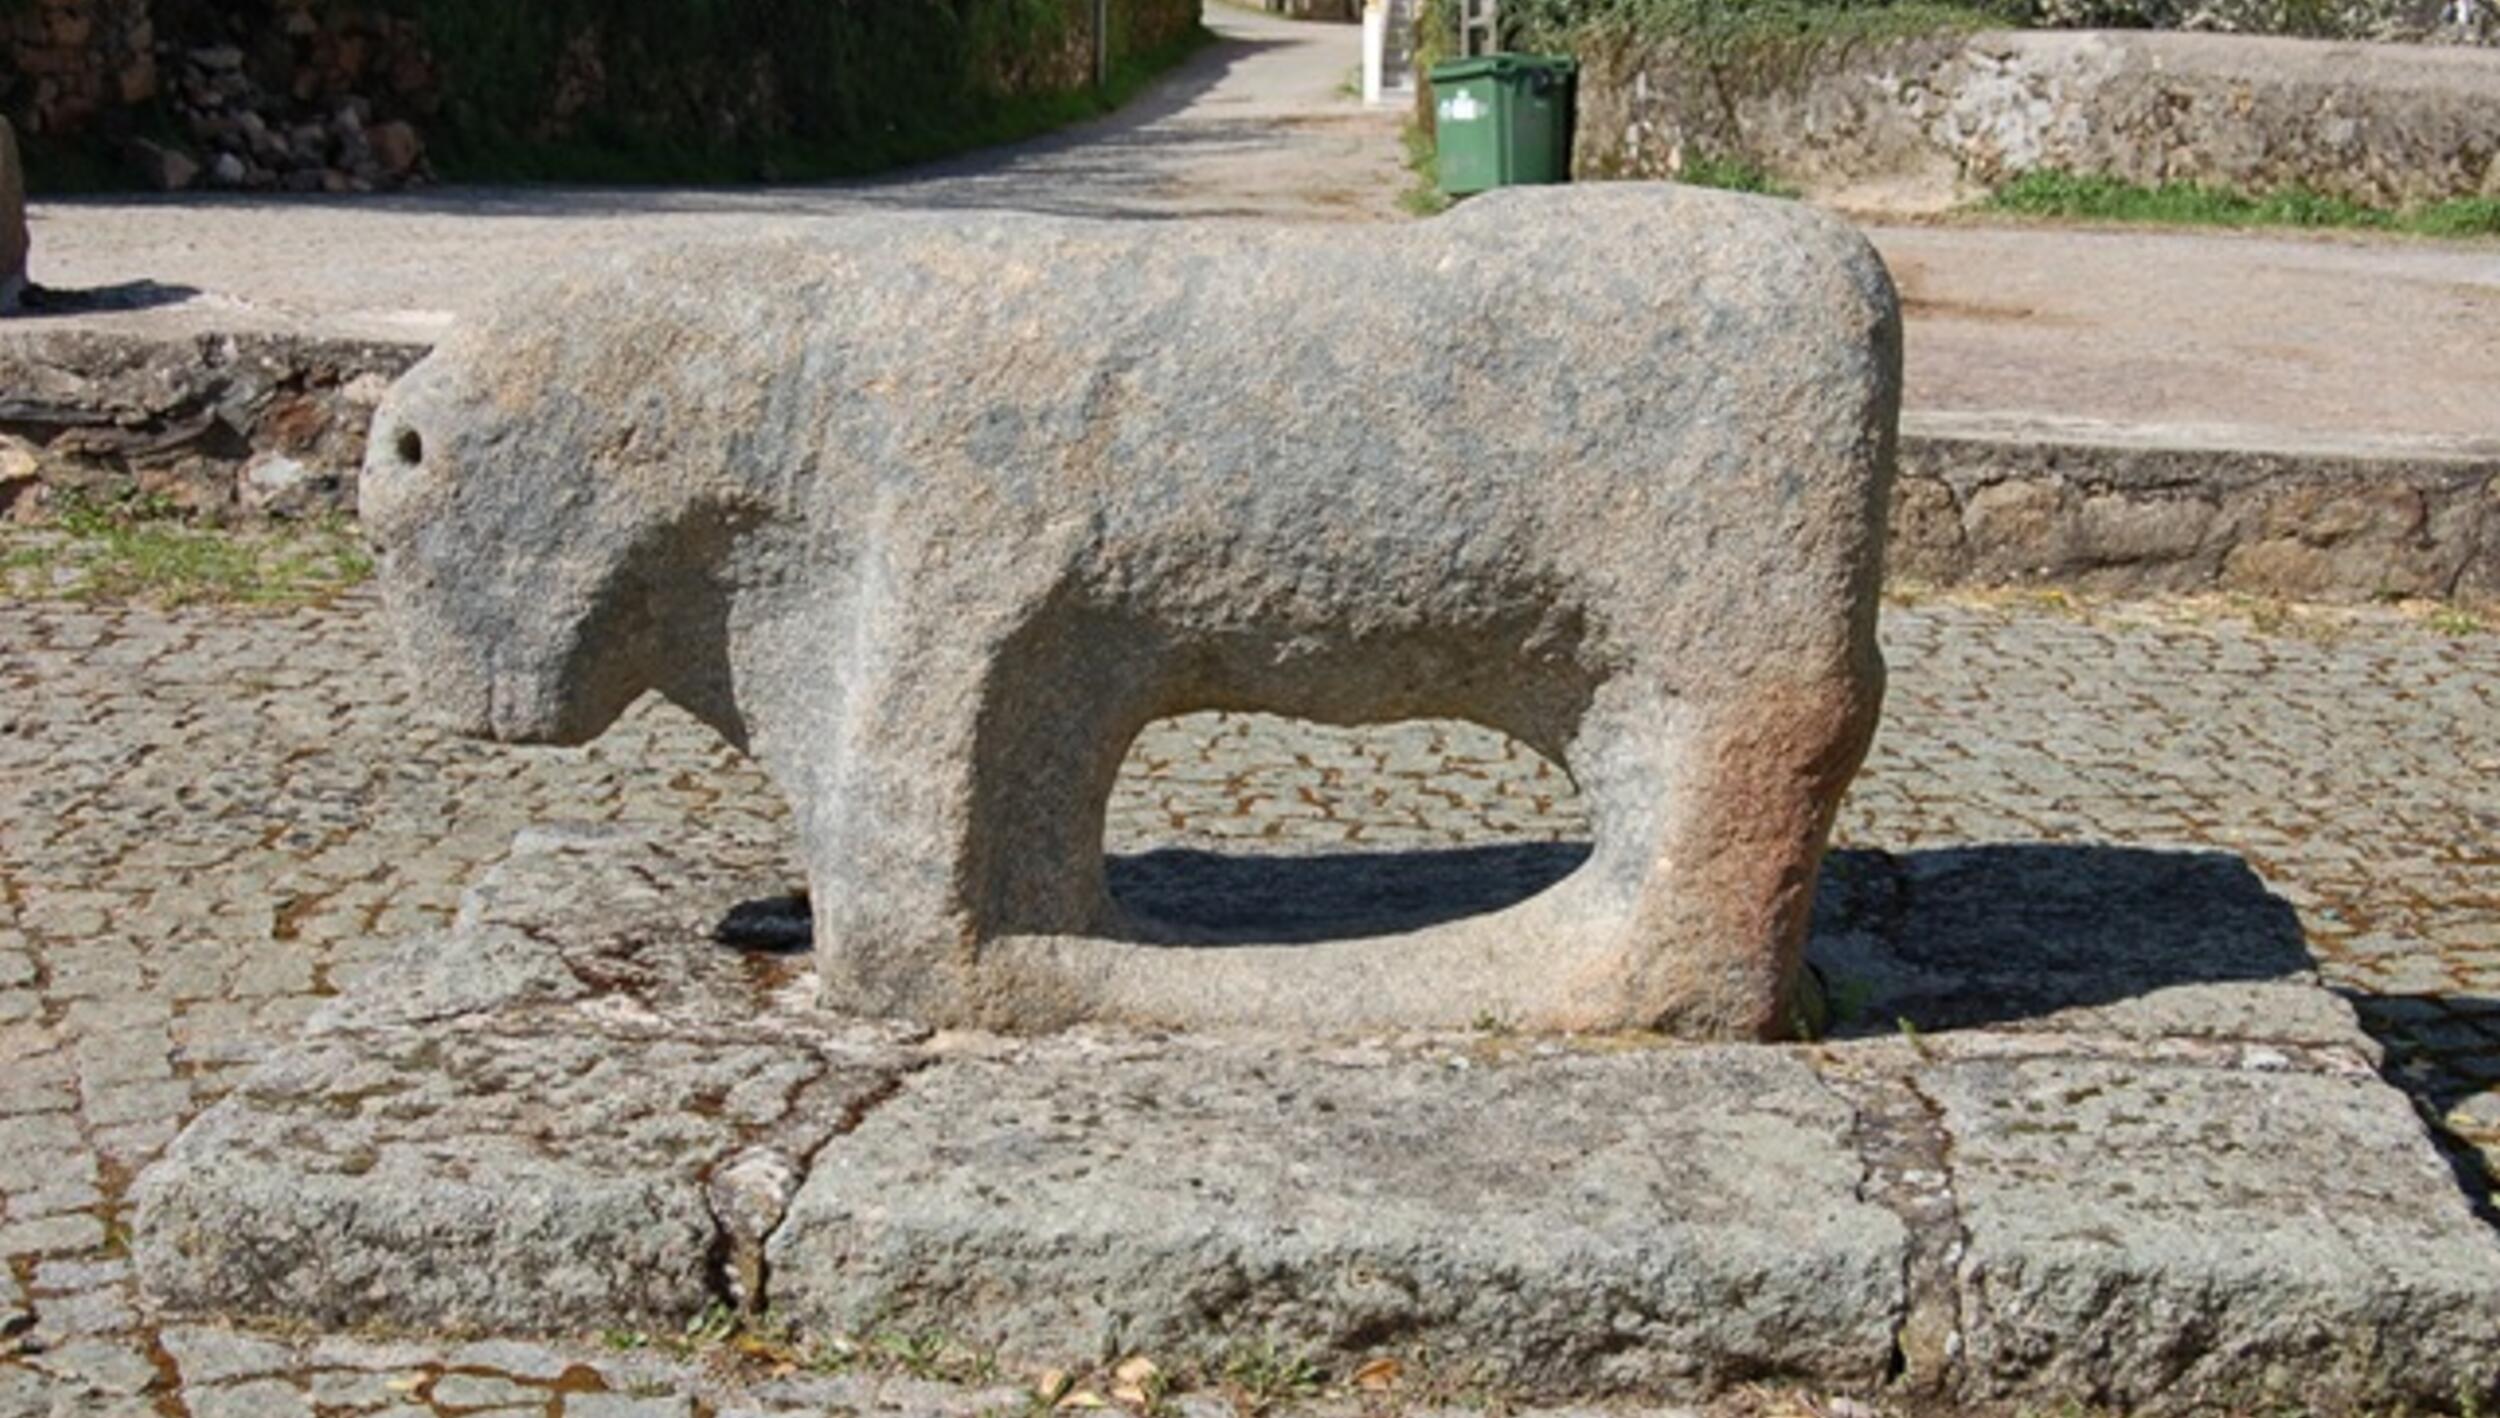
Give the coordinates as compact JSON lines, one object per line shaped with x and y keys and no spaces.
{"x":1984,"y":502}
{"x":360,"y":95}
{"x":219,"y":428}
{"x":2422,"y":21}
{"x":1925,"y":122}
{"x":71,"y":61}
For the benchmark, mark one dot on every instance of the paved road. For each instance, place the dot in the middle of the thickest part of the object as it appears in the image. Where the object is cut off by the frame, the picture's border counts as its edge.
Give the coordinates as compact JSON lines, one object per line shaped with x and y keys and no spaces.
{"x":210,"y":821}
{"x":2265,"y":339}
{"x":1252,"y":127}
{"x":2268,"y":339}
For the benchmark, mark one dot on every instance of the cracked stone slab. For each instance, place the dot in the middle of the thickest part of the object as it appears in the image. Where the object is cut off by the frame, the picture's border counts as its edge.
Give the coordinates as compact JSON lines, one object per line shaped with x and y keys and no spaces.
{"x":2156,"y":1189}
{"x":1655,"y":1220}
{"x":526,"y":1124}
{"x":2236,"y":1233}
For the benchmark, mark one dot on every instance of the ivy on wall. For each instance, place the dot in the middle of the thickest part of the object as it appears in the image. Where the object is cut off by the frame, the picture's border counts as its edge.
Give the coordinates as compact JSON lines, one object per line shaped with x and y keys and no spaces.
{"x":631,"y":90}
{"x":758,"y":87}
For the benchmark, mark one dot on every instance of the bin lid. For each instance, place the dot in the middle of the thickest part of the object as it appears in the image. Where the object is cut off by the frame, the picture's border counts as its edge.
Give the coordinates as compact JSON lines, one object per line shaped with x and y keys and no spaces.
{"x":1502,"y":66}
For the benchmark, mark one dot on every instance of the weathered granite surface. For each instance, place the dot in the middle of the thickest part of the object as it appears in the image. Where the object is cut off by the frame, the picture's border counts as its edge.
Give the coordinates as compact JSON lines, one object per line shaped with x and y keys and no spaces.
{"x":1923,"y":122}
{"x":251,"y":428}
{"x":2161,"y":1196}
{"x":1649,"y":1221}
{"x":2226,"y":1233}
{"x":513,"y":1135}
{"x":932,"y":515}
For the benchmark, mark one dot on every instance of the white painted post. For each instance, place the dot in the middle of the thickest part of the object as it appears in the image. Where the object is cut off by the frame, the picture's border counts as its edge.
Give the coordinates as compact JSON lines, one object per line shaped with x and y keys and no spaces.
{"x":1388,"y":52}
{"x":1375,"y":36}
{"x":1102,"y":44}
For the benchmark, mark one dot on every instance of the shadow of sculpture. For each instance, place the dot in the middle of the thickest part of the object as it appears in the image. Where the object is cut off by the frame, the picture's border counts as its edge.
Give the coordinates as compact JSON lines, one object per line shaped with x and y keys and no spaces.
{"x":1946,"y":938}
{"x":82,"y":300}
{"x":1219,"y":898}
{"x":1965,"y":937}
{"x":2439,"y":1054}
{"x":1942,"y":939}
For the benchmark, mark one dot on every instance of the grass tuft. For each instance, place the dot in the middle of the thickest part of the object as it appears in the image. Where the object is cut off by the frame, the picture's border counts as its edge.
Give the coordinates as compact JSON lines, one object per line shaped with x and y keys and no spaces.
{"x":1732,"y":175}
{"x":1424,"y":197}
{"x":1263,"y":1373}
{"x":2080,"y":197}
{"x":139,"y":550}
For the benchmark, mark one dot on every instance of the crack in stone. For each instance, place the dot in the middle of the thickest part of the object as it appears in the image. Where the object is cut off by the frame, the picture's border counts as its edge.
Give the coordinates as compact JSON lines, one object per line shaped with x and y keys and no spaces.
{"x":1906,"y":1153}
{"x":742,"y":1265}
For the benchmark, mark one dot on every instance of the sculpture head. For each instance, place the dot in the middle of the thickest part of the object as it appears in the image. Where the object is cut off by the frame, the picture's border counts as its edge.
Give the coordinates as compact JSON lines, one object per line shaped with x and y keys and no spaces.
{"x":536,"y":528}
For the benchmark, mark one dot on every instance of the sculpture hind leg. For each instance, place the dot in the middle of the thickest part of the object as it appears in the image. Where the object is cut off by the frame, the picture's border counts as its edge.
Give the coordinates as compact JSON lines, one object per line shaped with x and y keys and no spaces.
{"x":1713,"y":817}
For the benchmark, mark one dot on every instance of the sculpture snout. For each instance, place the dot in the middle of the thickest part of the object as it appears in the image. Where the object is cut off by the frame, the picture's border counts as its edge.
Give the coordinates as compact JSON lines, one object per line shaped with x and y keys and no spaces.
{"x":402,"y":500}
{"x":458,"y":542}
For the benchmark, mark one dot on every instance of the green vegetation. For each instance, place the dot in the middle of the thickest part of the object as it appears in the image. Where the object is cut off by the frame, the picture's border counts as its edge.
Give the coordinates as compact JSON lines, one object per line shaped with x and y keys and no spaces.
{"x":2455,"y":620}
{"x":630,"y":91}
{"x":2070,"y":196}
{"x":140,"y":551}
{"x":892,"y":102}
{"x":1424,"y":196}
{"x":929,"y":1354}
{"x":1263,"y":1373}
{"x":1734,"y":175}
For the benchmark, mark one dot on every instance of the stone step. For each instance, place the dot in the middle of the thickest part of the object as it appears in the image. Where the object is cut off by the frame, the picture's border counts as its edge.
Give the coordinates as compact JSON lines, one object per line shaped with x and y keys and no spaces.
{"x":2134,"y":1187}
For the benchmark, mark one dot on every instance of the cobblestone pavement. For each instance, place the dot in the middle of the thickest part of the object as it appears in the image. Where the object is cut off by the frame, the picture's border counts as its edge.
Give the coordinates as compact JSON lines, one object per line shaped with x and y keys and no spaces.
{"x":210,"y":820}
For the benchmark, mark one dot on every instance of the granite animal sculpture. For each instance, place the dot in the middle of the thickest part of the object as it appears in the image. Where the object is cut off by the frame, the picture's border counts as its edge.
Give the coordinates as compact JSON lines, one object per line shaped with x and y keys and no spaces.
{"x":931,"y":513}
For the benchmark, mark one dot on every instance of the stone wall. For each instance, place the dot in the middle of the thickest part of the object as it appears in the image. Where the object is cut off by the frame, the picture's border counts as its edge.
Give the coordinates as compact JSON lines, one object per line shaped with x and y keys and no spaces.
{"x":1926,"y":122}
{"x":354,"y":95}
{"x":222,"y":428}
{"x":71,"y":62}
{"x":1982,"y":501}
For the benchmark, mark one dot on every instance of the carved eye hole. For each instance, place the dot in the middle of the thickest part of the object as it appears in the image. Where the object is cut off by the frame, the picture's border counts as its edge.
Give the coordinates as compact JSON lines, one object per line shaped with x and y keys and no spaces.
{"x":410,"y":447}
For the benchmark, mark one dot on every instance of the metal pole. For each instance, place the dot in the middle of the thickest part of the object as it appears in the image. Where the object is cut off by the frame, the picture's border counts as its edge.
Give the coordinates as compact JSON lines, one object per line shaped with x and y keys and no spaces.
{"x":1102,"y":44}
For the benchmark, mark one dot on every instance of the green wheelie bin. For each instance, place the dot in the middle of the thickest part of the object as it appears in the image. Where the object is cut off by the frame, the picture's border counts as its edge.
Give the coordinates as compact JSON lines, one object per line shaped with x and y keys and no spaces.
{"x":1503,"y":119}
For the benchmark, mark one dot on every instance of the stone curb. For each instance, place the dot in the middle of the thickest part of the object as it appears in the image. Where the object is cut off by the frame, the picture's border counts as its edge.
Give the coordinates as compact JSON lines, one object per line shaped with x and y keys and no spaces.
{"x":575,"y":1110}
{"x":1997,"y":499}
